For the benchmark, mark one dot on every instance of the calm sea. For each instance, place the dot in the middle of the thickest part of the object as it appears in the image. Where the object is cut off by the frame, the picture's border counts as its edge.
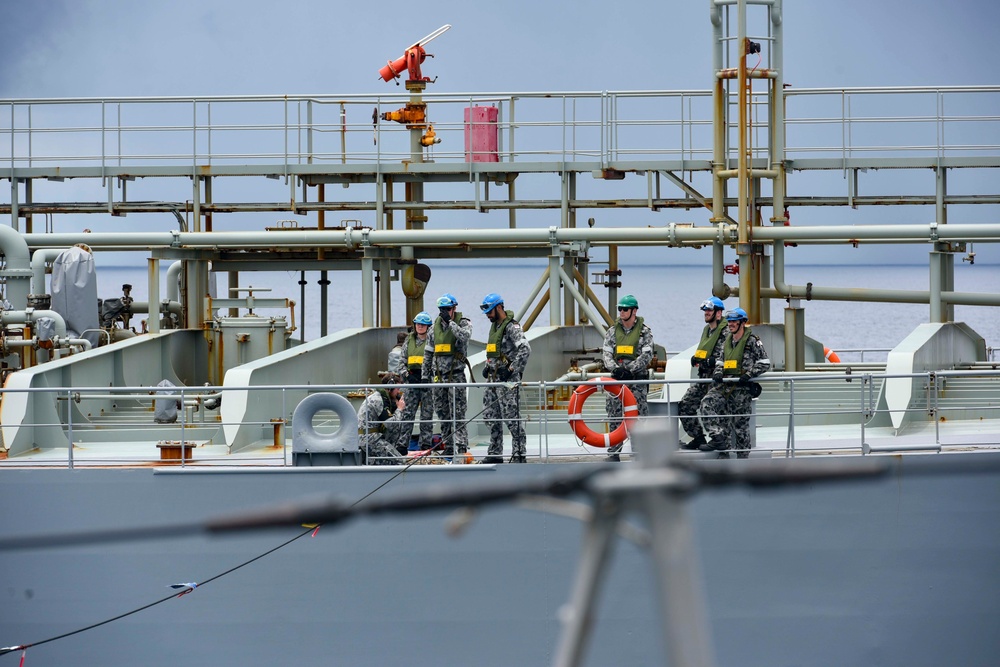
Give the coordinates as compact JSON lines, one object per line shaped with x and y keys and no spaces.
{"x":668,"y":298}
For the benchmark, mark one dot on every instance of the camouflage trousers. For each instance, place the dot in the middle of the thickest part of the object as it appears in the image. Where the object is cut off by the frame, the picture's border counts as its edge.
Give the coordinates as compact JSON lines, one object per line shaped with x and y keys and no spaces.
{"x":688,"y":409}
{"x":379,"y":451}
{"x":501,"y":405}
{"x":419,"y":396}
{"x":450,"y":404}
{"x":615,"y":412}
{"x":725,"y":411}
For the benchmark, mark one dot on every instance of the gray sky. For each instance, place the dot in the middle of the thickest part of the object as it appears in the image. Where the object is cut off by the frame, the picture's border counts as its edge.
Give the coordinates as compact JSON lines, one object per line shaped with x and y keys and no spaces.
{"x":92,"y":48}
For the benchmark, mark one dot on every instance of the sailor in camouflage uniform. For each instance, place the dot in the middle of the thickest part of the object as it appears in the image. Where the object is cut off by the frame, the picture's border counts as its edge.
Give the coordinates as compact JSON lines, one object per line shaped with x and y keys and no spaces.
{"x":417,"y":394}
{"x":725,"y":410}
{"x":627,"y":351}
{"x":381,"y":428}
{"x":712,"y":338}
{"x":444,"y":361}
{"x":396,"y":353}
{"x":507,"y":353}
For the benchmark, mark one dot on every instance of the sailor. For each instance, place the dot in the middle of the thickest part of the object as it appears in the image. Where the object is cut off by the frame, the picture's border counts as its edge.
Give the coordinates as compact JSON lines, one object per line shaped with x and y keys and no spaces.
{"x":725,"y":410}
{"x":381,"y":429}
{"x":507,"y":352}
{"x":444,"y":362}
{"x":627,"y":351}
{"x":712,"y":338}
{"x":396,"y":353}
{"x":417,"y":394}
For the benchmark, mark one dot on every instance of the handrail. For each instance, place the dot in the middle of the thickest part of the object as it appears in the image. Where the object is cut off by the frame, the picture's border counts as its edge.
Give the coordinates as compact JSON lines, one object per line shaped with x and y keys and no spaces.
{"x":604,"y":127}
{"x":551,"y":423}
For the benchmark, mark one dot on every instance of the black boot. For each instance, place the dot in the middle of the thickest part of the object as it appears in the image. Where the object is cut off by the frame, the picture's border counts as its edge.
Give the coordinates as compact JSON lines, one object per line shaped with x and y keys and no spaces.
{"x":518,"y":458}
{"x":695,"y":443}
{"x":716,"y":444}
{"x":492,"y":459}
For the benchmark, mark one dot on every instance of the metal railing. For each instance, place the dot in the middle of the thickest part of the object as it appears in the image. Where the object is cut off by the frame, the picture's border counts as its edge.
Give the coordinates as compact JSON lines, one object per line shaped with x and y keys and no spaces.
{"x":294,"y":132}
{"x":543,"y":413}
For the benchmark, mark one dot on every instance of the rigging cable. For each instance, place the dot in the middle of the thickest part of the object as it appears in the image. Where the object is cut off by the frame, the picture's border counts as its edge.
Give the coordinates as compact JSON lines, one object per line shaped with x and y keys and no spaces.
{"x":312,"y":529}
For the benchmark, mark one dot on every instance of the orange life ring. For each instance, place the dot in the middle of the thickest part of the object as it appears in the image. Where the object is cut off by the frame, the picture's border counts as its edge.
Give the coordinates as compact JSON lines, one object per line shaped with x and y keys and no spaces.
{"x":830,"y":355}
{"x":630,"y":411}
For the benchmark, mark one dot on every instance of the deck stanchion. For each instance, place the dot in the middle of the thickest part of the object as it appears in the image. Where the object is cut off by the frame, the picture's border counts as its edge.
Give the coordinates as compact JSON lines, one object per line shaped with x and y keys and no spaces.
{"x":183,"y":424}
{"x":543,"y":435}
{"x":284,"y":416}
{"x":69,"y":426}
{"x":864,"y":412}
{"x":936,"y":408}
{"x":790,"y":442}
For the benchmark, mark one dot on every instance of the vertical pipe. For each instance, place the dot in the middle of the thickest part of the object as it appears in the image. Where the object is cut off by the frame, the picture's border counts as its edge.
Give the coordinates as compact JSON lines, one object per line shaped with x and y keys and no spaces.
{"x":743,"y":219}
{"x":153,"y":324}
{"x":937,"y":259}
{"x":13,"y":202}
{"x":302,"y":307}
{"x":233,"y":278}
{"x":324,"y":283}
{"x":613,"y":278}
{"x":385,"y":279}
{"x":196,"y":202}
{"x":764,"y":282}
{"x":718,"y":119}
{"x":777,"y":130}
{"x":718,"y":271}
{"x":384,"y":293}
{"x":511,"y":197}
{"x":367,"y":297}
{"x":948,"y":262}
{"x":555,"y":291}
{"x":208,"y":200}
{"x":795,"y":337}
{"x":27,"y":200}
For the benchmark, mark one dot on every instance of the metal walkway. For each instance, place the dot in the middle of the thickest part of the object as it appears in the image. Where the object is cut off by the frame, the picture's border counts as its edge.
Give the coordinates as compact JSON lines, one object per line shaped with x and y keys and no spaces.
{"x":653,"y":147}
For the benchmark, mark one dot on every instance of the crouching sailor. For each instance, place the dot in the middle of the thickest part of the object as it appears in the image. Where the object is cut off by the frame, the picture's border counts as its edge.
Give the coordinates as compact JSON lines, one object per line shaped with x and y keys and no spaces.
{"x":381,"y":429}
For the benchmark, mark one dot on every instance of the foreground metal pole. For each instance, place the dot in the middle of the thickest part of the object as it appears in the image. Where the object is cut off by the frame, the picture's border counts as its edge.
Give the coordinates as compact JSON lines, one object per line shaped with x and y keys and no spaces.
{"x":578,"y":615}
{"x":684,"y":613}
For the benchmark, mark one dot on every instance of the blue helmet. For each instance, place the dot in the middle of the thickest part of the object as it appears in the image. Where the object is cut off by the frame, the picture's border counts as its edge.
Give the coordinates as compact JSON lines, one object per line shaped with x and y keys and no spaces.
{"x":423,"y":317}
{"x":490,"y":301}
{"x":736,"y":315}
{"x":713,"y":303}
{"x":447,"y":301}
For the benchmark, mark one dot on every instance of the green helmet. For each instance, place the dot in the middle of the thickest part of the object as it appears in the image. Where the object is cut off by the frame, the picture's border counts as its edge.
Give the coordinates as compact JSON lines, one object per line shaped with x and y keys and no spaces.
{"x":628,"y":301}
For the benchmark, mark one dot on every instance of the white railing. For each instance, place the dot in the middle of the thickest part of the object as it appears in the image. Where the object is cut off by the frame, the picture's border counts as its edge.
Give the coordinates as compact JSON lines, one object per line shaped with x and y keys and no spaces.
{"x":542,"y":411}
{"x":595,"y":127}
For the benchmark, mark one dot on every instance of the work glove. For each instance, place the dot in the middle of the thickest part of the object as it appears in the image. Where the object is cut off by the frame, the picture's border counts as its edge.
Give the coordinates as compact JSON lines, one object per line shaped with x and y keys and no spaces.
{"x":717,"y":378}
{"x":695,"y":361}
{"x":445,"y":316}
{"x":486,"y":372}
{"x":744,"y":380}
{"x":621,"y":373}
{"x":710,"y":363}
{"x":504,"y":373}
{"x":414,"y":378}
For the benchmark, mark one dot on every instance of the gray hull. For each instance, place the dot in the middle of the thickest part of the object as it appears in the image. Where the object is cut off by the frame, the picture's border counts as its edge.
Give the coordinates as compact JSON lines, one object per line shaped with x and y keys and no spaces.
{"x":899,"y":571}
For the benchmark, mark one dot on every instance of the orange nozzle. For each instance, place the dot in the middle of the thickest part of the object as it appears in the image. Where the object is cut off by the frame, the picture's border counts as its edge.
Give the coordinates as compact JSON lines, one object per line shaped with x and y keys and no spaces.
{"x":410,"y":61}
{"x":392,"y":69}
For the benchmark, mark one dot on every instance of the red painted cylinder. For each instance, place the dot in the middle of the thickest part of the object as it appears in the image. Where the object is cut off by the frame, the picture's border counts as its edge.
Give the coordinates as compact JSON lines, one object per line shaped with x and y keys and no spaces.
{"x":482,"y":134}
{"x":393,"y":69}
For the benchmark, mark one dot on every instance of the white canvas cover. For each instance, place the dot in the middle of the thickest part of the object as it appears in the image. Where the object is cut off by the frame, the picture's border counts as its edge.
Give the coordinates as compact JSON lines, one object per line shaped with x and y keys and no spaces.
{"x":74,"y":292}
